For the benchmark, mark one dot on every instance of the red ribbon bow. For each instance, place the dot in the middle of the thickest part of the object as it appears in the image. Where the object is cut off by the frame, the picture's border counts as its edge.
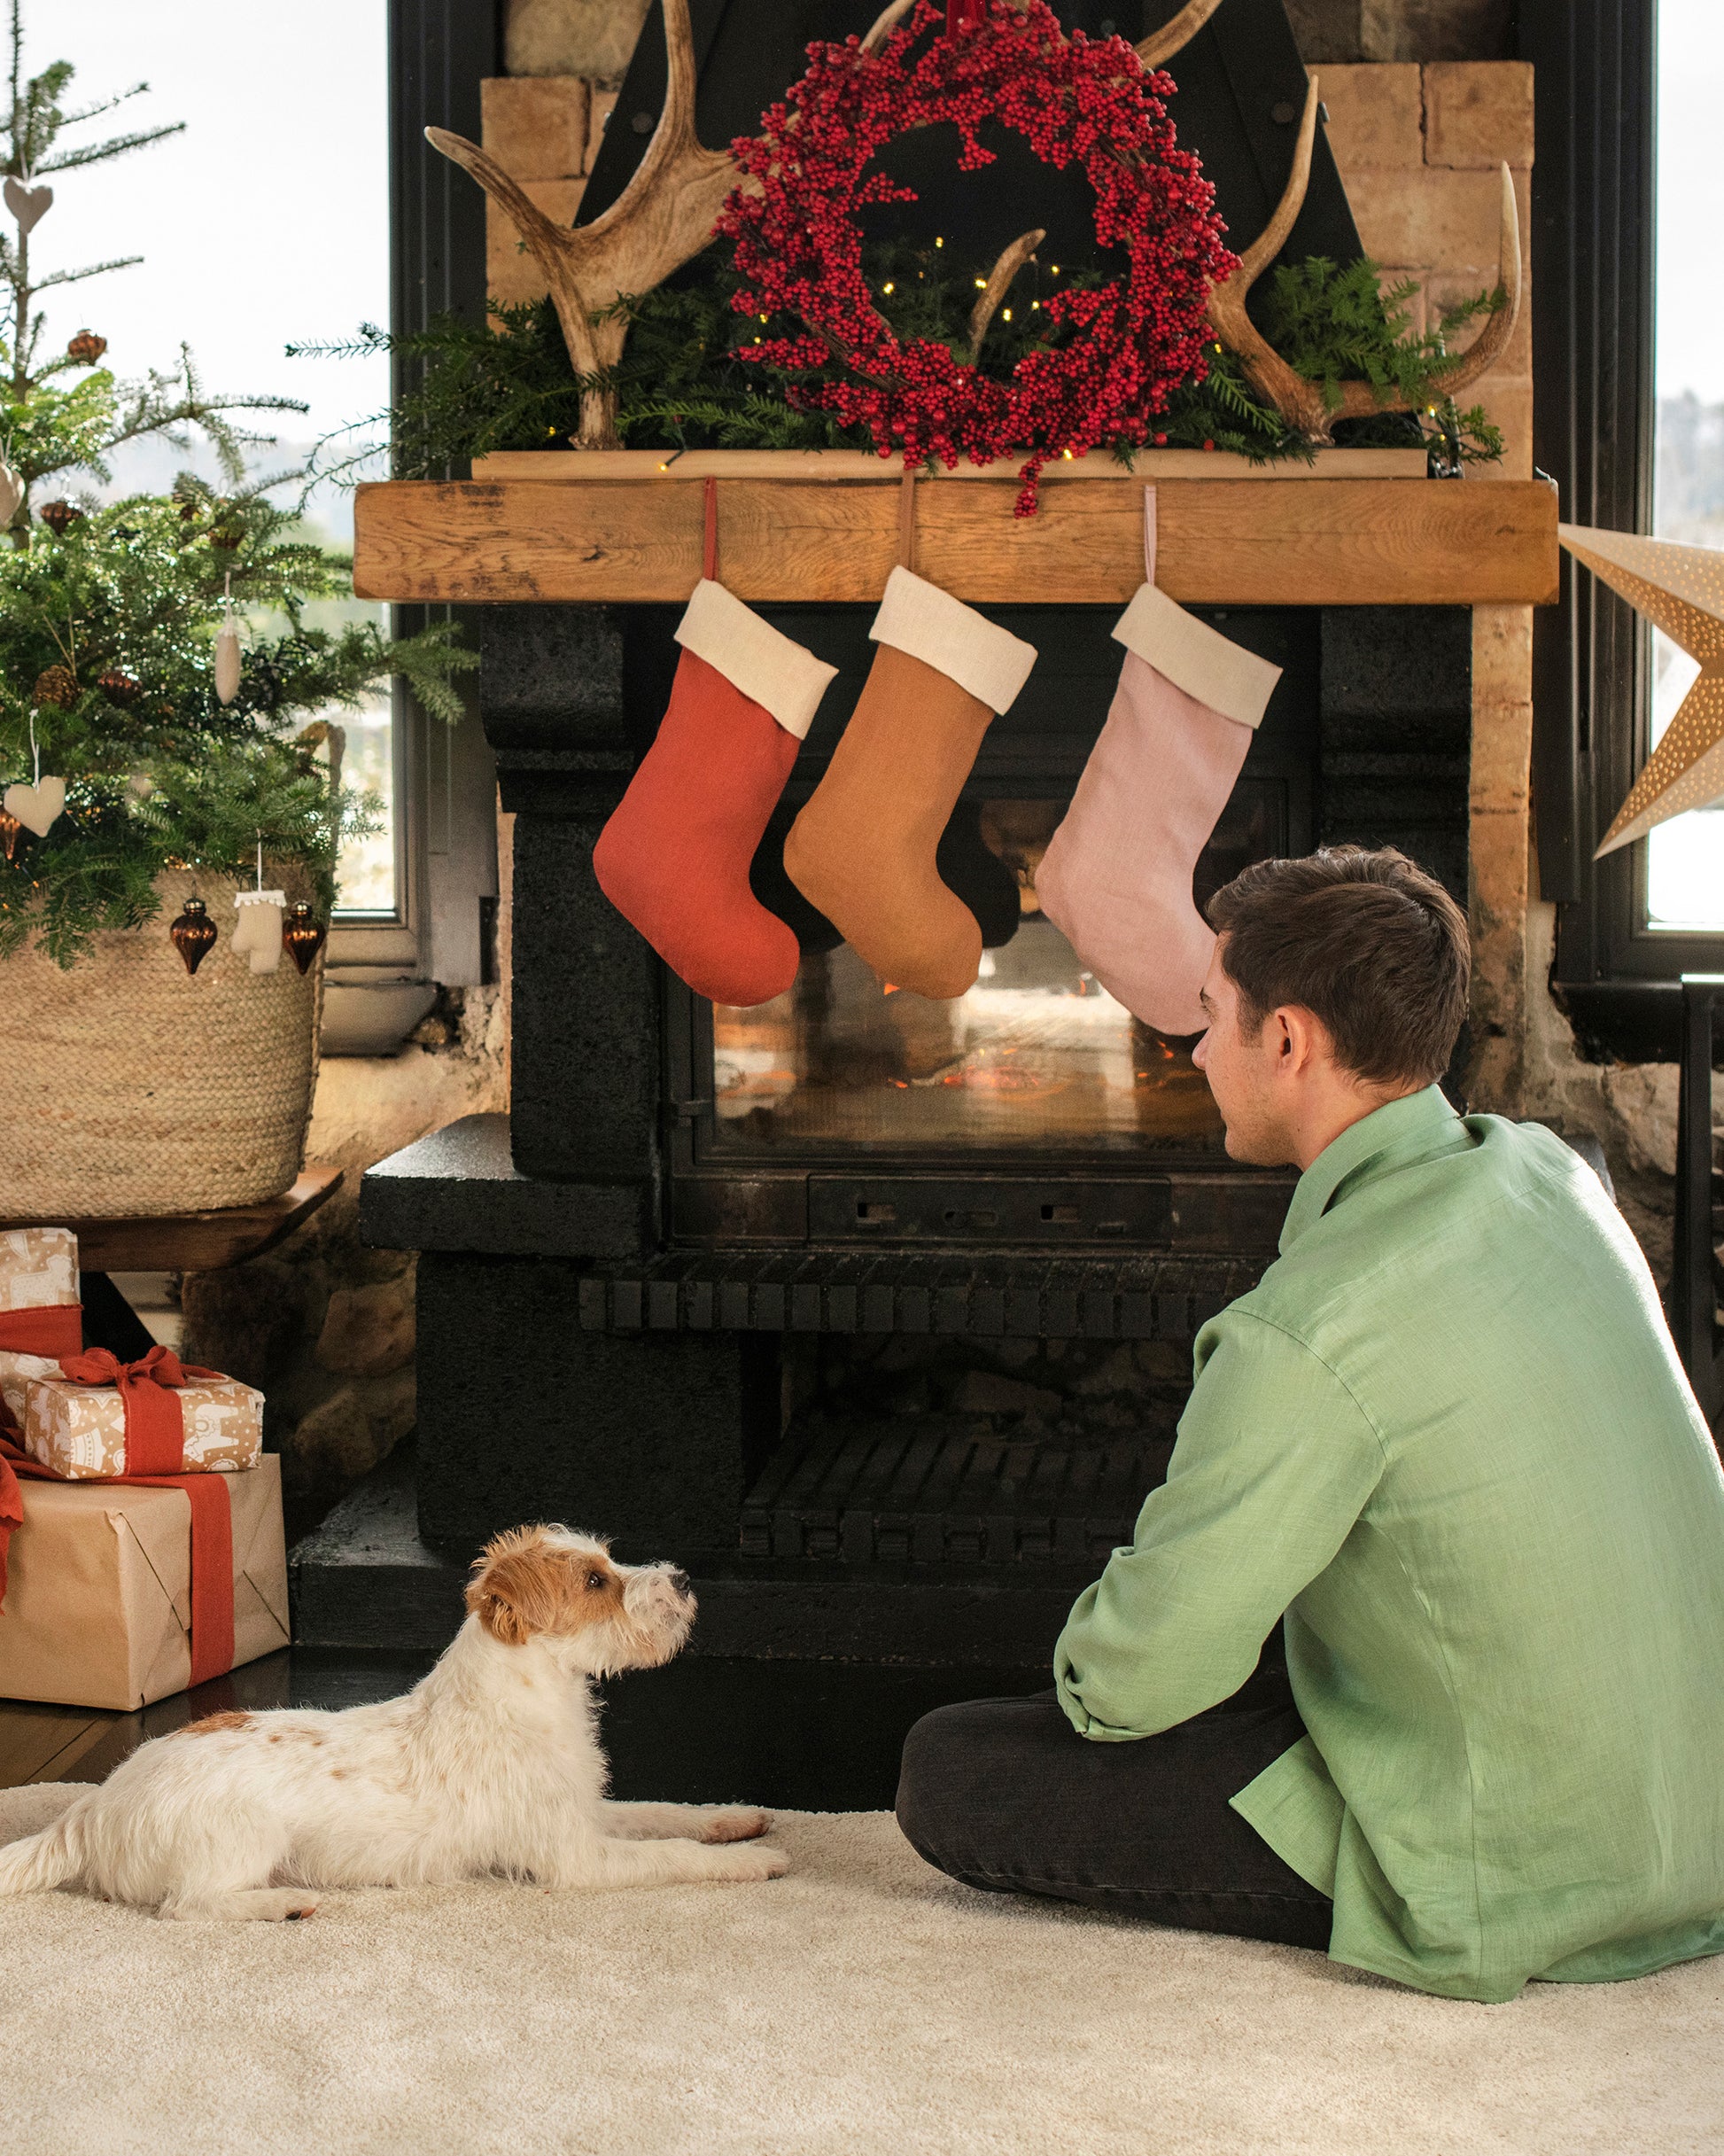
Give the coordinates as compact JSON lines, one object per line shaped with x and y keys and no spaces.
{"x":155,"y":1420}
{"x":155,"y":1453}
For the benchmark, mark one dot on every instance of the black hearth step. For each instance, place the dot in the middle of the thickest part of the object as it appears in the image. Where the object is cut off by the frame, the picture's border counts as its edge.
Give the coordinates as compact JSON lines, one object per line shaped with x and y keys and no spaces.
{"x":828,"y":1290}
{"x":933,"y":1492}
{"x":366,"y":1580}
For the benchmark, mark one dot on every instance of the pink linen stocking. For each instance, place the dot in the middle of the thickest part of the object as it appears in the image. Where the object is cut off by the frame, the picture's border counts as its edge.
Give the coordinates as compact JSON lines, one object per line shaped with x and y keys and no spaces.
{"x":1116,"y":877}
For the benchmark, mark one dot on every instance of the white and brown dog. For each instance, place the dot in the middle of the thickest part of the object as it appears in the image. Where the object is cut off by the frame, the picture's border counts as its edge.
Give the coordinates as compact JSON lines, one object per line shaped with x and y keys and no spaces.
{"x":491,"y":1766}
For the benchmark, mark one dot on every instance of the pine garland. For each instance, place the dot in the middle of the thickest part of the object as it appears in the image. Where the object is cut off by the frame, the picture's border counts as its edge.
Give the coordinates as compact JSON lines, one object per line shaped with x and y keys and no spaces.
{"x":683,"y":384}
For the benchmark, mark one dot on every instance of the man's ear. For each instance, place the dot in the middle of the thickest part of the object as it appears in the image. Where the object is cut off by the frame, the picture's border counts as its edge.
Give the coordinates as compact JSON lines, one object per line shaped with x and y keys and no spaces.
{"x":1300,"y":1038}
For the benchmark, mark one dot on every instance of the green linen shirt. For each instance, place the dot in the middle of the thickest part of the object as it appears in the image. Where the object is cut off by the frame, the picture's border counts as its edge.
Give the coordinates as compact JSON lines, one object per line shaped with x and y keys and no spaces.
{"x":1448,"y":1436}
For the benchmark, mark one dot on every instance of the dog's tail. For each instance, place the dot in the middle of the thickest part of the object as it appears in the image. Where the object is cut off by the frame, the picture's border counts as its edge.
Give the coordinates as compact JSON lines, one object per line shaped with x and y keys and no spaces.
{"x":40,"y":1861}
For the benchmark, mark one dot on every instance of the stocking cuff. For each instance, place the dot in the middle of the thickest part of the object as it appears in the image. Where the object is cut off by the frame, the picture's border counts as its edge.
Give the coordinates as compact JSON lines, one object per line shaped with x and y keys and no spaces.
{"x":778,"y":674}
{"x":1225,"y":676}
{"x":930,"y":625}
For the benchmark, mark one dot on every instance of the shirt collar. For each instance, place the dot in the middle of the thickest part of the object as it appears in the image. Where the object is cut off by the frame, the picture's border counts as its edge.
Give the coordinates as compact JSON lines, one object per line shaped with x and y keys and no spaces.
{"x":1417,"y":1124}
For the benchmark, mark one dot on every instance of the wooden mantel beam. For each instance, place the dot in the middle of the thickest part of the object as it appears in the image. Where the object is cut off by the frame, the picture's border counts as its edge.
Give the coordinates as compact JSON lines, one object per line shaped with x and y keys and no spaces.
{"x":1234,"y":542}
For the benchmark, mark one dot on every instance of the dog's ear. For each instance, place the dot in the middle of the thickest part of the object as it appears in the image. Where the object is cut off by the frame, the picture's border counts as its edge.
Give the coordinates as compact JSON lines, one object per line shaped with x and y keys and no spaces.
{"x":521,"y":1586}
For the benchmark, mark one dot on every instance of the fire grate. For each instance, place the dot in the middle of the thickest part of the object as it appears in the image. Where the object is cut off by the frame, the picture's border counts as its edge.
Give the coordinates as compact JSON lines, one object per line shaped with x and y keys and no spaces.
{"x":835,"y":1291}
{"x":935,"y":1492}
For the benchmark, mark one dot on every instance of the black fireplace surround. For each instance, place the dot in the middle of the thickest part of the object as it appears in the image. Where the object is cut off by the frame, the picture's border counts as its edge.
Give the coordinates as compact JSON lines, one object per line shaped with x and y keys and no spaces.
{"x":888,"y":1411}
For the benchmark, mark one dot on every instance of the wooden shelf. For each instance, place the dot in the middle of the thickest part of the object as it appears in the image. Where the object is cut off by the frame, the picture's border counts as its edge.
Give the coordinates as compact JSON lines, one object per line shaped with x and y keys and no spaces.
{"x":586,"y":532}
{"x":199,"y":1243}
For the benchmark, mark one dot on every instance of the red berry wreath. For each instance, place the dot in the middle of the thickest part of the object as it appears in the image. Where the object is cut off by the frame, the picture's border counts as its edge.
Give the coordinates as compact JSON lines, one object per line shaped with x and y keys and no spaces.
{"x":1121,"y":349}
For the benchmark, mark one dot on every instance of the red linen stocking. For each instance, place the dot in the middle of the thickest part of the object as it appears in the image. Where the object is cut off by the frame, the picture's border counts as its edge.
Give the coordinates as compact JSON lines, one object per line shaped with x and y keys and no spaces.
{"x":1116,"y":877}
{"x":674,"y":859}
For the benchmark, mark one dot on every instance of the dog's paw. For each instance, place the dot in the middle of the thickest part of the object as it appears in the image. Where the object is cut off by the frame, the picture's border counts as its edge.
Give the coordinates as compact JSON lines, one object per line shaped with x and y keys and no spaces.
{"x":749,"y":1864}
{"x":742,"y":1825}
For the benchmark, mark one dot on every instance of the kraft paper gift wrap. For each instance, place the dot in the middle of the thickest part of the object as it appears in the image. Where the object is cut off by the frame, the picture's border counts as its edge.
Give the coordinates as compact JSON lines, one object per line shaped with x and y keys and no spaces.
{"x":98,"y":1600}
{"x":38,"y":1268}
{"x":80,"y":1430}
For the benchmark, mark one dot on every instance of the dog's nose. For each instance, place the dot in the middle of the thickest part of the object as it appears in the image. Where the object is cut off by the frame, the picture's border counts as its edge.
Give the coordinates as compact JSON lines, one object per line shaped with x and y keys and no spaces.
{"x":678,"y":1579}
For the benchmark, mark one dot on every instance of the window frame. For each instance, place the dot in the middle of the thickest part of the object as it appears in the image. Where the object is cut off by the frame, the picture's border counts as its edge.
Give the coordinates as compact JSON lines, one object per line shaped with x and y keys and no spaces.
{"x":439,"y":53}
{"x":1594,"y":416}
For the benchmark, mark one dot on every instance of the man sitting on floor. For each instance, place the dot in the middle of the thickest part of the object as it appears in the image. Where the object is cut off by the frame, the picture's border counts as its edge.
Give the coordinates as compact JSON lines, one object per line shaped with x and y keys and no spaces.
{"x":1448,"y":1436}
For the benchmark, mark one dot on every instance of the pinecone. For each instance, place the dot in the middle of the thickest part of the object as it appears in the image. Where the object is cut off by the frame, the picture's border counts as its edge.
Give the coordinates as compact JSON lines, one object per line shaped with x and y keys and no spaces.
{"x":118,"y":688}
{"x":57,"y":686}
{"x":59,"y":516}
{"x":87,"y":347}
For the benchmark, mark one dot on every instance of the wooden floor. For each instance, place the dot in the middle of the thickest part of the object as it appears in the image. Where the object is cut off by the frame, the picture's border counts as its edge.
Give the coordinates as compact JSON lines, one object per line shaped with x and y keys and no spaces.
{"x":83,"y":1744}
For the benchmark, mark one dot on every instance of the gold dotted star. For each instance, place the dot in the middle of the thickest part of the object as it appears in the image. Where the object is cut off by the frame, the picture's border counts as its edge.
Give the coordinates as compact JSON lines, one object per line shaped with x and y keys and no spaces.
{"x":1680,"y":590}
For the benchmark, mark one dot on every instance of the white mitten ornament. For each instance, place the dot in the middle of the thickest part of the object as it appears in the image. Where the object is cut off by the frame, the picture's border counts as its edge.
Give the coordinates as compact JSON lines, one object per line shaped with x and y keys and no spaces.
{"x":258,"y":931}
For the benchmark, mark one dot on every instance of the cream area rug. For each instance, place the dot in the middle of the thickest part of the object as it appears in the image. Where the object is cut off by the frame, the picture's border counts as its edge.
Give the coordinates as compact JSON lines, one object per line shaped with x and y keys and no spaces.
{"x":864,"y":2004}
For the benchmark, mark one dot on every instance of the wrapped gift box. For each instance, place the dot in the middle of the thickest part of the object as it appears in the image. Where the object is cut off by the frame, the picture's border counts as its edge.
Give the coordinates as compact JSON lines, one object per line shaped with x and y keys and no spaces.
{"x":80,"y":1430}
{"x":98,"y":1599}
{"x":39,"y":1312}
{"x":38,"y":1268}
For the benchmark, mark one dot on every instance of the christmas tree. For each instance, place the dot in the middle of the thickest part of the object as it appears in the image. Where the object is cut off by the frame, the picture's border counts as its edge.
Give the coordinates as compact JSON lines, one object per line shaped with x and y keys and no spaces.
{"x":110,"y":615}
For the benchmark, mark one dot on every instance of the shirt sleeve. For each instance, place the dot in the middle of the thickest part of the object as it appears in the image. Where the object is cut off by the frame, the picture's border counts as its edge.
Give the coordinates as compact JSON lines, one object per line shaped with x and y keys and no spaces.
{"x":1274,"y":1463}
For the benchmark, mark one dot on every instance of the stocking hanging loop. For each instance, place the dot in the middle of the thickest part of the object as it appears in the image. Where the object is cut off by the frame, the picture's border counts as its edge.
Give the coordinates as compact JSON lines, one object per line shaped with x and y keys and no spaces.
{"x":1149,"y":535}
{"x":907,"y":521}
{"x":710,"y":544}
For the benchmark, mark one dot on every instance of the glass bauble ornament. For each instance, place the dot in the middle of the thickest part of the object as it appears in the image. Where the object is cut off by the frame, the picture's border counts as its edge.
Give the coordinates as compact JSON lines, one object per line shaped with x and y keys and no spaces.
{"x":302,"y":934}
{"x":194,"y":934}
{"x":59,"y":517}
{"x":10,"y":827}
{"x":86,"y":347}
{"x":118,"y":688}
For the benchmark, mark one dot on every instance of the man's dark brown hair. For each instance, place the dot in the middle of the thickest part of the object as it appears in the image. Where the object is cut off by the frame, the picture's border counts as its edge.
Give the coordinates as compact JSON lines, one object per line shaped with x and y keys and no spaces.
{"x":1367,"y":942}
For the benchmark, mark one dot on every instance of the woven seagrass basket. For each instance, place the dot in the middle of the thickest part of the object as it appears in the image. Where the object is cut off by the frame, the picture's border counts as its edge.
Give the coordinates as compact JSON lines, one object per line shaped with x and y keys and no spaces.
{"x":129,"y":1088}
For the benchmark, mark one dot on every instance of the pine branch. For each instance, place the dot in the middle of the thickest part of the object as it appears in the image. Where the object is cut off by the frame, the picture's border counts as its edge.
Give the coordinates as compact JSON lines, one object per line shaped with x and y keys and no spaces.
{"x":117,"y":145}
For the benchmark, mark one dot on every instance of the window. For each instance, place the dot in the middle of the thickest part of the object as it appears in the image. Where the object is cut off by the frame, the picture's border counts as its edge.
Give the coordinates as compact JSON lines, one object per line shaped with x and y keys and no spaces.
{"x":236,"y":285}
{"x":1684,"y":866}
{"x":1623,"y":183}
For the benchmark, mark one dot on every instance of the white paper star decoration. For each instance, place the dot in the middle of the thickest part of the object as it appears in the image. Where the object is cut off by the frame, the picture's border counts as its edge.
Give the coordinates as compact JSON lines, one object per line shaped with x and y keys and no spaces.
{"x":1680,"y":590}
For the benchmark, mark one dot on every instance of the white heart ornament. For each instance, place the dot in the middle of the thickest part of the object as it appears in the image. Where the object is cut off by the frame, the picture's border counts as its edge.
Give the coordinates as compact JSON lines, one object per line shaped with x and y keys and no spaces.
{"x":38,"y":806}
{"x":28,"y":204}
{"x":12,"y":494}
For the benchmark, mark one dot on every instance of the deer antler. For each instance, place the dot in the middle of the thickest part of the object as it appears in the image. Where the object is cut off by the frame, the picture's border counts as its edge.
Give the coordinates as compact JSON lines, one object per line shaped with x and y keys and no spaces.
{"x":999,"y":282}
{"x":663,"y":215}
{"x":1302,"y":403}
{"x":886,"y":22}
{"x":1173,"y":35}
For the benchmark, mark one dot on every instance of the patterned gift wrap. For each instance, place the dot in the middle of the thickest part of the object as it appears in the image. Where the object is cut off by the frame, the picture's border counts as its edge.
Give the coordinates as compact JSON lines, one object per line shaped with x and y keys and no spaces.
{"x":80,"y":1430}
{"x":16,"y":1371}
{"x":38,"y":1268}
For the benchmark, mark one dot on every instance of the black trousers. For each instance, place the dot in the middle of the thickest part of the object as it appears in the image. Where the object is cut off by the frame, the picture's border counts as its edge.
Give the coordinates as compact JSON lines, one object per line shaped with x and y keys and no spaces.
{"x":1006,"y":1796}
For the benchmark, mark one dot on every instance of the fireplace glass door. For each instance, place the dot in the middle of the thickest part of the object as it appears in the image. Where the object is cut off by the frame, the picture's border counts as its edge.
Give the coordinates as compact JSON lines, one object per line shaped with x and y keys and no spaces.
{"x":1036,"y":1058}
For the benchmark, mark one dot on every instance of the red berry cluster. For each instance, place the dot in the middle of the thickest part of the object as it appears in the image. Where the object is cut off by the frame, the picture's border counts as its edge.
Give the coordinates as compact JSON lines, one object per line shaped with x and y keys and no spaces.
{"x":799,"y":248}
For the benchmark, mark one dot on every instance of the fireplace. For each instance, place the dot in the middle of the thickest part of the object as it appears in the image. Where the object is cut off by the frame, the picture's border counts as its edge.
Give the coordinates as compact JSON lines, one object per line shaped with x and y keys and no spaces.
{"x":873,"y":1313}
{"x":1033,"y":1111}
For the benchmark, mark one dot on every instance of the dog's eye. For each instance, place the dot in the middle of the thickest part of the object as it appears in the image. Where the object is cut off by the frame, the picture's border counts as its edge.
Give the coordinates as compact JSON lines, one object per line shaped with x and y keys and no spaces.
{"x":597,"y":1583}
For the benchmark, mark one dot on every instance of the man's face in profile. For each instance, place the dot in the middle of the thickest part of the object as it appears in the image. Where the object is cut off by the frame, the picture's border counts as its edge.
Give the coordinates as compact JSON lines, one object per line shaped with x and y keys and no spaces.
{"x":1239,"y":1066}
